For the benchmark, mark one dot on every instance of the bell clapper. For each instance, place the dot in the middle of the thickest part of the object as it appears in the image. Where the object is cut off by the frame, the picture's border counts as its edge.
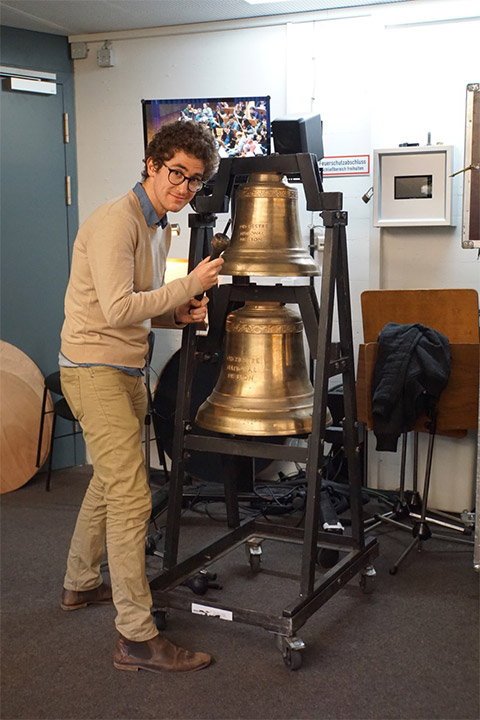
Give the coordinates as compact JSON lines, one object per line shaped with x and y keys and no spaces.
{"x":220,"y":242}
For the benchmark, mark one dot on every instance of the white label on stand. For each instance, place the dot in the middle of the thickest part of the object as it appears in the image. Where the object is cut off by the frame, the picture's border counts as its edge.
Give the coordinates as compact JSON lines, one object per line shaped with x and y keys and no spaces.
{"x":212,"y":611}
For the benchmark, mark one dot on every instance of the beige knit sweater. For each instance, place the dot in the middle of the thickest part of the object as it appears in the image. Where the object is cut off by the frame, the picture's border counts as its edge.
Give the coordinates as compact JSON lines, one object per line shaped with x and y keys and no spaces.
{"x":110,"y":301}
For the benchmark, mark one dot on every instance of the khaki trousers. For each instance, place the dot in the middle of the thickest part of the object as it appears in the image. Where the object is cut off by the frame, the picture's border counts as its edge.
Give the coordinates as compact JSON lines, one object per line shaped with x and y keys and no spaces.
{"x":110,"y":406}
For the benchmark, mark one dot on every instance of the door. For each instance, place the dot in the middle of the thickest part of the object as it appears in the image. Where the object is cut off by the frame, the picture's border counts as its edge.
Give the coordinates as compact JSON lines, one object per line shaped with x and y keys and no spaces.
{"x":34,"y":232}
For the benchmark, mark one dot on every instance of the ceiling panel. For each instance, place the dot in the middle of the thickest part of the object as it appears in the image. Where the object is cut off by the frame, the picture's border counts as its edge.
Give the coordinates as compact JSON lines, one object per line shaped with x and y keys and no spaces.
{"x":74,"y":17}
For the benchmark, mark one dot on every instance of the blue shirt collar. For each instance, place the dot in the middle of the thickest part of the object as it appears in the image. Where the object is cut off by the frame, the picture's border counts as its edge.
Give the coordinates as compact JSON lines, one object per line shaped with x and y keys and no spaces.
{"x":148,"y":210}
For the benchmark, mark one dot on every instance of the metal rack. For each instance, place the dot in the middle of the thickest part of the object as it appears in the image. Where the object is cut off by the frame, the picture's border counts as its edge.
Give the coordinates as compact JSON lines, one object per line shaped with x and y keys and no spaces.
{"x":355,"y":552}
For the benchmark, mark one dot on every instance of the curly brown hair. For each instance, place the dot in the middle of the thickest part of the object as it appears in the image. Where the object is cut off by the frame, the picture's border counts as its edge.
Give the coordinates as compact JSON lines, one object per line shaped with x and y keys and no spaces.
{"x":191,"y":137}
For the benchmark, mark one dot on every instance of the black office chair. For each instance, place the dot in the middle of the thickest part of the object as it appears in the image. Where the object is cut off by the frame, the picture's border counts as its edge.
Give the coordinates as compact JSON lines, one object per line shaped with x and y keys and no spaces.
{"x":60,"y":409}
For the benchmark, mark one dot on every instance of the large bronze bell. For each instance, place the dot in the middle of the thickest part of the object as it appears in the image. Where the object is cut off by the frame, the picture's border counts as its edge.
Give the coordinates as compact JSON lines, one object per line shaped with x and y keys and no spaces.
{"x":263,"y":387}
{"x":266,"y":238}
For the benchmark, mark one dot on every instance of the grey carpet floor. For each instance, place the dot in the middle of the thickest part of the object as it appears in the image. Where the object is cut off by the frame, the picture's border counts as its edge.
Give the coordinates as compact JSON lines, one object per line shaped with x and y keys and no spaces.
{"x":407,"y":650}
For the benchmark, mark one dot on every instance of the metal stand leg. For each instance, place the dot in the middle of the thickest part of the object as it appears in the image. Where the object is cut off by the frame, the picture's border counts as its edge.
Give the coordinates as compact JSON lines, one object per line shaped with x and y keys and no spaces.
{"x":42,"y":422}
{"x":201,"y":235}
{"x":400,"y":508}
{"x":409,"y":501}
{"x":421,"y":530}
{"x":50,"y":459}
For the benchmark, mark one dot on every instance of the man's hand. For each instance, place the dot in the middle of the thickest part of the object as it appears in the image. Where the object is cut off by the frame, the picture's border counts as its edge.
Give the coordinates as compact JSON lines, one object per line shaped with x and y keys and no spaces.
{"x":194,"y":311}
{"x":207,"y":271}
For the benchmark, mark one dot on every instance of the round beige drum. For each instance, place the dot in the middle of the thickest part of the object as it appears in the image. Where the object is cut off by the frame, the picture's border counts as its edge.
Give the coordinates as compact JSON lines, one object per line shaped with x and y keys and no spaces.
{"x":21,"y":392}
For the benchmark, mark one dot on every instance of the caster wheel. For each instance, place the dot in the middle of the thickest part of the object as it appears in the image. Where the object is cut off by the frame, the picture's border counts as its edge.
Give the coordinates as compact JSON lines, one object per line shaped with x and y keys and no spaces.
{"x":253,"y":548}
{"x":292,"y":659}
{"x":255,"y":563}
{"x":367,"y":580}
{"x":366,"y":585}
{"x":160,"y":619}
{"x":327,"y":558}
{"x":291,"y":649}
{"x":393,"y":570}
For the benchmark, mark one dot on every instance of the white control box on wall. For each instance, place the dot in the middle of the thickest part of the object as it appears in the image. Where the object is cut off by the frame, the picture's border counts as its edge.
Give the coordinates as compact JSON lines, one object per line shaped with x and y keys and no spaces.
{"x":412,"y":186}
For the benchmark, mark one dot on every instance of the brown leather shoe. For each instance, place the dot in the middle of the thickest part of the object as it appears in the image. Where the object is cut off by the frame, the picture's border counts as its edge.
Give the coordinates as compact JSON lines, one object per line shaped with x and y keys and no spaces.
{"x":75,"y":600}
{"x":157,"y":655}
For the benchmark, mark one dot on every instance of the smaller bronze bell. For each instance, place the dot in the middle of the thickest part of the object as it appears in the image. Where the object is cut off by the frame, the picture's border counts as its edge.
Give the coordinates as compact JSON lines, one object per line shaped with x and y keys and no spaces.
{"x":263,"y":387}
{"x":266,"y":238}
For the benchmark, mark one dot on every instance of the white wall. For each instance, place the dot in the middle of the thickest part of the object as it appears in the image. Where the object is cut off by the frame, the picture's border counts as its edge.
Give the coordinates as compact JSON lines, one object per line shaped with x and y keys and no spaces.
{"x":109,"y":114}
{"x":379,"y":76}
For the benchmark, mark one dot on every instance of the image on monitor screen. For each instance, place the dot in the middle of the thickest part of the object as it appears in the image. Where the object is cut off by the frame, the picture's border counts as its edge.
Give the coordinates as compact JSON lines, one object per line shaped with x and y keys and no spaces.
{"x":240,"y":125}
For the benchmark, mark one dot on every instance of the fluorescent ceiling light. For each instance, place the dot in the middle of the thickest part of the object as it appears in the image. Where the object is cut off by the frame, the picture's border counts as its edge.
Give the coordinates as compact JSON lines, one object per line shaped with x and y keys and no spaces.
{"x":262,"y":2}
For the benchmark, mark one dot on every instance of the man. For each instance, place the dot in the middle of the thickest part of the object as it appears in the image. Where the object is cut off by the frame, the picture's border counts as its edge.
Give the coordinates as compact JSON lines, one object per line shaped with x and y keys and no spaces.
{"x":114,"y":291}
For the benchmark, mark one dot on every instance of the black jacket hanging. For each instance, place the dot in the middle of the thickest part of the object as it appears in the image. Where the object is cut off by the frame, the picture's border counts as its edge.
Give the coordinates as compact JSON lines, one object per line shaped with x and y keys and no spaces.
{"x":411,"y":370}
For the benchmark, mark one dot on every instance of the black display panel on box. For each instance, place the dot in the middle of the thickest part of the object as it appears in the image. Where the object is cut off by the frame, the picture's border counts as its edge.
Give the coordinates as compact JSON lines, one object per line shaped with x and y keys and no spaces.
{"x":413,"y":187}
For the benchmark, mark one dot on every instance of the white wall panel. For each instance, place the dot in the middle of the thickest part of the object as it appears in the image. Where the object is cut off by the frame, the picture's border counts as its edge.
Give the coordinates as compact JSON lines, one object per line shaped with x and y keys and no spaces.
{"x":391,"y":76}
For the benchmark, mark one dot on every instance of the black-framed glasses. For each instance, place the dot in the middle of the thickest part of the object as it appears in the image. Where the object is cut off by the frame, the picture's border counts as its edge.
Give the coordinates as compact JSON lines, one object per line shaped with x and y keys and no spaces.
{"x":177,"y":178}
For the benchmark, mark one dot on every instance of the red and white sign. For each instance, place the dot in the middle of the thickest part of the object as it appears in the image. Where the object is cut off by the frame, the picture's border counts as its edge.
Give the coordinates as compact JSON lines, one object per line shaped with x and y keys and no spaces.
{"x":334,"y":165}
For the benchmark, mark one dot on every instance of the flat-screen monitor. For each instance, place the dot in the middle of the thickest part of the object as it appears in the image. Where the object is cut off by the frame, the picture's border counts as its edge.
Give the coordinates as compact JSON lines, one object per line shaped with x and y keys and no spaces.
{"x":240,"y":125}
